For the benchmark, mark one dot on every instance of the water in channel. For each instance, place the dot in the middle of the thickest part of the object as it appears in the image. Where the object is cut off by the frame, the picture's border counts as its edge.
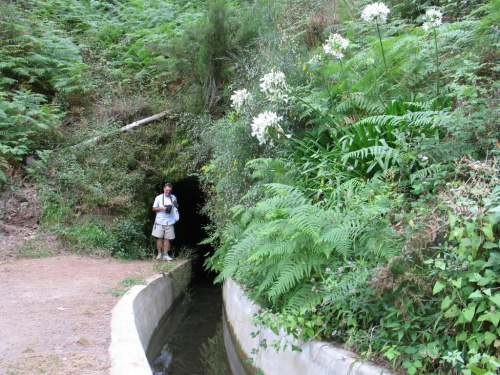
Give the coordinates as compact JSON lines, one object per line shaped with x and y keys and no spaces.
{"x":190,"y":338}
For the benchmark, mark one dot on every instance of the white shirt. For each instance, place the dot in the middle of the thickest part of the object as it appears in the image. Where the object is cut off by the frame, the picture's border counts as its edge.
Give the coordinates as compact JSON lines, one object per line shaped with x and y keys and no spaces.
{"x":162,"y":217}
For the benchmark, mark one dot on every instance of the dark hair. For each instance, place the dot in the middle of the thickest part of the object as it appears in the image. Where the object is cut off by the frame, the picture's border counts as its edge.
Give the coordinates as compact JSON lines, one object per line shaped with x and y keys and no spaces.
{"x":167,"y":184}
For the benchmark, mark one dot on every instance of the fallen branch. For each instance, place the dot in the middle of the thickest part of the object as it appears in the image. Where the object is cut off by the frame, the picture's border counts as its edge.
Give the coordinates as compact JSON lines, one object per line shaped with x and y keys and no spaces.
{"x":125,"y":128}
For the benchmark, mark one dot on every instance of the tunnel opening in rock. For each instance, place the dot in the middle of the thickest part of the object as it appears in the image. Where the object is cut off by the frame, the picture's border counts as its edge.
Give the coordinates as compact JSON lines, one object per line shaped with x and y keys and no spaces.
{"x":190,"y":229}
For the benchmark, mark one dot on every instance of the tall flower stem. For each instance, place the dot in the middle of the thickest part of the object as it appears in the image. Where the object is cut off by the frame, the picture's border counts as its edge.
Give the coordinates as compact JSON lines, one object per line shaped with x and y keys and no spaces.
{"x":437,"y":59}
{"x":381,"y":46}
{"x":343,"y":76}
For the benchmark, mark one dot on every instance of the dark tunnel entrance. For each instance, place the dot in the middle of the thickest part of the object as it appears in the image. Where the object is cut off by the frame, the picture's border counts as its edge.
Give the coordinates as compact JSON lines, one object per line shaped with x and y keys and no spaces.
{"x":189,"y":230}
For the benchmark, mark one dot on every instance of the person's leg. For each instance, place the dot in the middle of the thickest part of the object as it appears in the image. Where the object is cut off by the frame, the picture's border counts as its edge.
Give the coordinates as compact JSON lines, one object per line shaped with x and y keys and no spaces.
{"x":169,"y":235}
{"x":158,"y":233}
{"x":166,"y":246}
{"x":159,"y":242}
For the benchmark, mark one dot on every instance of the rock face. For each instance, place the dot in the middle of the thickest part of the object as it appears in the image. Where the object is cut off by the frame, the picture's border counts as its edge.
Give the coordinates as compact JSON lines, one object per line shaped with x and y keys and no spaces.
{"x":19,"y":214}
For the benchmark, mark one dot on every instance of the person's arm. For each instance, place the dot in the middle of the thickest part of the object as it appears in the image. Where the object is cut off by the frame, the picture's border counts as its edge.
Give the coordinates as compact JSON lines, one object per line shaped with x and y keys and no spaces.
{"x":156,"y":205}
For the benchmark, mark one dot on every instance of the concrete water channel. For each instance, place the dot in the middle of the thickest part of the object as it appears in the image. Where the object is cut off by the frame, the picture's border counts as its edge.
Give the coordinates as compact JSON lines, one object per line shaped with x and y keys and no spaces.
{"x":154,"y":317}
{"x":188,"y":328}
{"x":174,"y":315}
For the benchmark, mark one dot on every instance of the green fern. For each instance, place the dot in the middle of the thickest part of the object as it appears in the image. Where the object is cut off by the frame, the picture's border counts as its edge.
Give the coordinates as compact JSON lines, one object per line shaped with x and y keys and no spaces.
{"x":377,"y":152}
{"x":302,"y":298}
{"x":291,"y":274}
{"x":284,"y":239}
{"x":345,"y":284}
{"x":356,"y":101}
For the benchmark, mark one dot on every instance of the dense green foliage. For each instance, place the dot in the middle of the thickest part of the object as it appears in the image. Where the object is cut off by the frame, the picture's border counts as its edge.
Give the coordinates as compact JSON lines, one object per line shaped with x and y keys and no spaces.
{"x":376,"y":221}
{"x":74,"y":70}
{"x":355,"y":194}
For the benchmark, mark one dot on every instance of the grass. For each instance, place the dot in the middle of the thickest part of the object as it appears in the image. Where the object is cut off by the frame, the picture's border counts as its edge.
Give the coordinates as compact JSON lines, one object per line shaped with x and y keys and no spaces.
{"x":186,"y":252}
{"x":43,"y":363}
{"x":84,"y":341}
{"x":126,"y":284}
{"x":131,"y":281}
{"x":43,"y":245}
{"x":183,"y":253}
{"x":117,"y":292}
{"x":30,"y":253}
{"x":162,"y":266}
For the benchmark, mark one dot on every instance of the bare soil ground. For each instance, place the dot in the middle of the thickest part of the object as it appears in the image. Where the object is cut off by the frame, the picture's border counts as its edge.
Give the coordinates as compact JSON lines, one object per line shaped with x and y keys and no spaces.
{"x":55,"y":310}
{"x":55,"y":313}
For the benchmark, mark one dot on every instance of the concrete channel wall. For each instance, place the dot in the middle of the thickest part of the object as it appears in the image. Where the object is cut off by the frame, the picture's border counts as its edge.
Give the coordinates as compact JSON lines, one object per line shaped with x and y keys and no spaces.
{"x":316,"y":357}
{"x":136,"y":316}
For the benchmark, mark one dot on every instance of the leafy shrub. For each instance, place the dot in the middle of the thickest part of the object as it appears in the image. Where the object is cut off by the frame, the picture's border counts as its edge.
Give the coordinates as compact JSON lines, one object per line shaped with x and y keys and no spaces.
{"x":36,"y":64}
{"x":130,"y":238}
{"x":283,"y":242}
{"x":224,"y":179}
{"x":56,"y":210}
{"x":361,"y":248}
{"x":24,"y":117}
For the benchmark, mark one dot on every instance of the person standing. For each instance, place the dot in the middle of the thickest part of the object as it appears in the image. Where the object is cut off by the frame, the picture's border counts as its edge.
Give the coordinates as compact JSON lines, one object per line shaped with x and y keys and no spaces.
{"x":163,"y":228}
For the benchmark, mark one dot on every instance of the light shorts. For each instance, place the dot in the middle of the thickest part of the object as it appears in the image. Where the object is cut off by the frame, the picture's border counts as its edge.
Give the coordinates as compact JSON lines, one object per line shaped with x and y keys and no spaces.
{"x":163,"y":231}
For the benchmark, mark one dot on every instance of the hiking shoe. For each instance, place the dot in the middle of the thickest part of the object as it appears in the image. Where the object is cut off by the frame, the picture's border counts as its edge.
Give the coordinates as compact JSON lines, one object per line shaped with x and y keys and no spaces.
{"x":166,"y":257}
{"x":159,"y":256}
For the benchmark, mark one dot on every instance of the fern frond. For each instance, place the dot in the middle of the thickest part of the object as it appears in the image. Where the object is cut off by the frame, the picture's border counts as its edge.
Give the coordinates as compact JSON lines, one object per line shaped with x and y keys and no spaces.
{"x":426,"y":172}
{"x":302,"y":298}
{"x":281,"y":189}
{"x":274,"y":207}
{"x":263,"y":168}
{"x":359,"y":101}
{"x":338,"y":241}
{"x":382,"y":247}
{"x":380,"y":152}
{"x":347,"y":283}
{"x":306,"y":219}
{"x":291,"y":273}
{"x":269,"y":254}
{"x":238,"y":210}
{"x":241,"y":250}
{"x":422,"y":119}
{"x":269,"y":279}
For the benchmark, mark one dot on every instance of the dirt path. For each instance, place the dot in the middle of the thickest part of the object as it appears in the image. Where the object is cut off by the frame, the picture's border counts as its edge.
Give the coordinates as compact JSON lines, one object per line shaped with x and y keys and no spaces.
{"x":55,"y":313}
